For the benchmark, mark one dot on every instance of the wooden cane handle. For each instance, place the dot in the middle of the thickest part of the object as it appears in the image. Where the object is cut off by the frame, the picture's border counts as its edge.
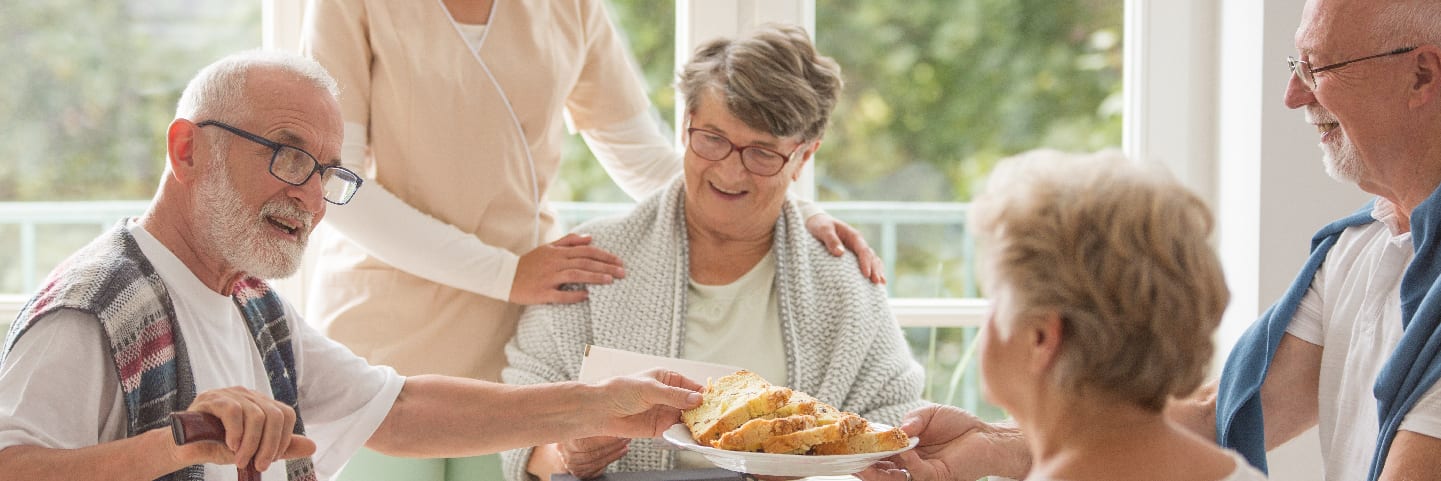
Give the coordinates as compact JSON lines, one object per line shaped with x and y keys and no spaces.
{"x":188,"y":427}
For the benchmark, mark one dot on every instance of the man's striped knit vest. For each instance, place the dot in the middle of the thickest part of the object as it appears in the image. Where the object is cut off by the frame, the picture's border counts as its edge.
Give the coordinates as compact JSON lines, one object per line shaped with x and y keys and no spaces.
{"x":111,"y":279}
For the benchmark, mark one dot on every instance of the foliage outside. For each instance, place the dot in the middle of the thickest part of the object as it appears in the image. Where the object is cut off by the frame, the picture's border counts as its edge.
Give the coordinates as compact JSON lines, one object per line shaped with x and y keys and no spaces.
{"x":937,"y":91}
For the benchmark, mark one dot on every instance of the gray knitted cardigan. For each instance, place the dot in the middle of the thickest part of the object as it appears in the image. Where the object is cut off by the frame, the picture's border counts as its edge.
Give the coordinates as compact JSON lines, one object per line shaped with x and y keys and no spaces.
{"x":842,"y":344}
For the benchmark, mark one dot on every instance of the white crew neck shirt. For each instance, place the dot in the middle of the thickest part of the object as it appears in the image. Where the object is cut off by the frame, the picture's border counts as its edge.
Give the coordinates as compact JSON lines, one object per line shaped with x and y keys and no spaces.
{"x":58,"y":386}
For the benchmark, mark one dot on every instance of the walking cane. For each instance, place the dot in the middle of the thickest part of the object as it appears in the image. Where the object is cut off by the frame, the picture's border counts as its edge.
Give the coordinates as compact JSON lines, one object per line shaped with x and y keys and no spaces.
{"x":189,"y":427}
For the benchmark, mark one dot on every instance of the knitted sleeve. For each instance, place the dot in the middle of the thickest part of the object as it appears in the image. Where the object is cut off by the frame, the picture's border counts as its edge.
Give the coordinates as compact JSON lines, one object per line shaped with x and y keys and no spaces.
{"x":889,"y":382}
{"x":547,"y":347}
{"x":848,"y":347}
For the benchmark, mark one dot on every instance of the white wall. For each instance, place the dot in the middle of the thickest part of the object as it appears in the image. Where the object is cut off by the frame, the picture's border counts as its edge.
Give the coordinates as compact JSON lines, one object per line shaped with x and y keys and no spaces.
{"x":1170,"y":93}
{"x":1273,"y":193}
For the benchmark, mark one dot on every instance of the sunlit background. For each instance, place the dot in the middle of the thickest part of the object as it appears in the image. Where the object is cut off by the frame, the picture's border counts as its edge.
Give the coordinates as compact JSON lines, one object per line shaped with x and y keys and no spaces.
{"x":935,"y":93}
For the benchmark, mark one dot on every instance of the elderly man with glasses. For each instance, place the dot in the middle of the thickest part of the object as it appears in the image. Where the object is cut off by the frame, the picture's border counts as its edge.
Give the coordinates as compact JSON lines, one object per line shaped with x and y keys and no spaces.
{"x":1354,"y":346}
{"x":720,"y":267}
{"x":167,"y":312}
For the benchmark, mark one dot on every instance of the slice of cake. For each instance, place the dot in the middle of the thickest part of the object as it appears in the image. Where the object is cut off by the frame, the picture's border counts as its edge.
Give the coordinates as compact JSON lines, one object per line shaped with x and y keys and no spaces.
{"x":870,"y":441}
{"x":750,"y":435}
{"x":801,"y":403}
{"x":729,"y":402}
{"x":830,"y":427}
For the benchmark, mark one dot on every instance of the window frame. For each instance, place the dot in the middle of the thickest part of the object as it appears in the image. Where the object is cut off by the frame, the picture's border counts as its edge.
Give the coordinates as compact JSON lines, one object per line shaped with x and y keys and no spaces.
{"x":1203,"y":87}
{"x":1183,"y":114}
{"x":700,"y":20}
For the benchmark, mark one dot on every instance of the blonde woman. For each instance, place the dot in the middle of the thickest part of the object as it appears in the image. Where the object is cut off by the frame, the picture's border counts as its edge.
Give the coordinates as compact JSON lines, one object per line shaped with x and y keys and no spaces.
{"x":1104,"y":296}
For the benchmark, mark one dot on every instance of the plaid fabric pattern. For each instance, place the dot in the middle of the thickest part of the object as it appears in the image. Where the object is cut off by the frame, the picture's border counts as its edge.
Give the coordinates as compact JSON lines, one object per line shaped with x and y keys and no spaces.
{"x":265,"y":316}
{"x":111,"y":279}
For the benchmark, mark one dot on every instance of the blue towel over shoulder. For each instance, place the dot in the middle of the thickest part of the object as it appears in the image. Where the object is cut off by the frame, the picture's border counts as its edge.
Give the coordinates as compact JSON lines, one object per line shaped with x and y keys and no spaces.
{"x":1411,"y":369}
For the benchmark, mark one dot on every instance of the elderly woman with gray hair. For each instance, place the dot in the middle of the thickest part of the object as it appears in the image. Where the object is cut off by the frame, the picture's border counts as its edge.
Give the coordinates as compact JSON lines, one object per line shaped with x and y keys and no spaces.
{"x":1104,"y":295}
{"x":720,"y":267}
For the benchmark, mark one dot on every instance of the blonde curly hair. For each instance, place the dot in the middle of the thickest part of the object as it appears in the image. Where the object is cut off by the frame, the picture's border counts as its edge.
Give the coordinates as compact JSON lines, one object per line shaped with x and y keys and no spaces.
{"x":1120,"y":252}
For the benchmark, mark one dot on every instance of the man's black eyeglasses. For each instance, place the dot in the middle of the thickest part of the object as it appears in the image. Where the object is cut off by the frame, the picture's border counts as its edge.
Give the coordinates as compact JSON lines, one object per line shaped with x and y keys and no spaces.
{"x":294,"y":166}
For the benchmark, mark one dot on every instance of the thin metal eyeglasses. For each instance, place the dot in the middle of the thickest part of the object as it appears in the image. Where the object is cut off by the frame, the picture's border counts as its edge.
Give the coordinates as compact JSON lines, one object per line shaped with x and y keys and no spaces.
{"x":1303,"y":70}
{"x":294,"y":166}
{"x":757,"y":160}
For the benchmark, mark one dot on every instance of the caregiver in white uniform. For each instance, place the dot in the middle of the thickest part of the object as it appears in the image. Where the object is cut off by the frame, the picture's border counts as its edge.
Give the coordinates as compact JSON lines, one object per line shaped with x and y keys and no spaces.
{"x":455,"y":113}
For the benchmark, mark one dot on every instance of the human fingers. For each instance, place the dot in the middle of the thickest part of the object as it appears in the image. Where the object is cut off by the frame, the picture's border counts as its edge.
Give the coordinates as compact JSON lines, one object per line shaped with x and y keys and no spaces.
{"x":537,"y":277}
{"x":906,"y":466}
{"x":823,"y":228}
{"x":871,"y":265}
{"x":672,"y":378}
{"x":540,"y":273}
{"x":279,"y":424}
{"x":298,"y":447}
{"x":241,"y":417}
{"x":594,"y":443}
{"x":599,"y":260}
{"x":585,"y":271}
{"x":253,"y":434}
{"x":872,"y":473}
{"x":936,"y":426}
{"x":673,"y":390}
{"x":290,"y":419}
{"x":640,"y":407}
{"x":914,"y":422}
{"x":557,"y":296}
{"x":226,"y":405}
{"x":884,"y":471}
{"x":571,"y":240}
{"x":587,"y":457}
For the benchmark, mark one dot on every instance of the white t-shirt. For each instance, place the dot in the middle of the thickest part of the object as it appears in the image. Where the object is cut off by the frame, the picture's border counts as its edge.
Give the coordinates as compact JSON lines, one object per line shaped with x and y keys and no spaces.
{"x":746,"y":313}
{"x":1353,"y":311}
{"x":58,"y":387}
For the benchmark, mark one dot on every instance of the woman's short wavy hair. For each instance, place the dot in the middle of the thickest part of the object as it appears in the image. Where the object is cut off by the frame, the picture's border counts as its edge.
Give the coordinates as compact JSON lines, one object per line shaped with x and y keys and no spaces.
{"x":772,"y":79}
{"x":1120,"y":251}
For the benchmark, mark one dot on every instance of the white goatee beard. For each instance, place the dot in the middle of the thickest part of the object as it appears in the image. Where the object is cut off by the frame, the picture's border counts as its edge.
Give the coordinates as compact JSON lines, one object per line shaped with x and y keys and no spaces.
{"x":1343,"y":162}
{"x":241,"y":240}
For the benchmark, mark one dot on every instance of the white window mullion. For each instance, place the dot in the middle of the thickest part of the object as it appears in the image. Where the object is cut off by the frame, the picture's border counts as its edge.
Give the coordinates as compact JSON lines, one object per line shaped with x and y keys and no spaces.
{"x":280,"y":27}
{"x":1169,"y":87}
{"x":280,"y":23}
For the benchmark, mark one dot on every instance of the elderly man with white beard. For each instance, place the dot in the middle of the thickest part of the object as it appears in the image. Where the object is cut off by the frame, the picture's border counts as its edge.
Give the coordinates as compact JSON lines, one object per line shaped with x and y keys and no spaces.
{"x":167,"y":312}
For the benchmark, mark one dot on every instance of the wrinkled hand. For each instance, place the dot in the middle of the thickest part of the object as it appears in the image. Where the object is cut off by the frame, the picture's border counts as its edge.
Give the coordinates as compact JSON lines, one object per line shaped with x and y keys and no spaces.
{"x":643,"y":405}
{"x":954,"y":446}
{"x":258,"y":430}
{"x":568,"y":260}
{"x":588,"y":457}
{"x":835,"y":234}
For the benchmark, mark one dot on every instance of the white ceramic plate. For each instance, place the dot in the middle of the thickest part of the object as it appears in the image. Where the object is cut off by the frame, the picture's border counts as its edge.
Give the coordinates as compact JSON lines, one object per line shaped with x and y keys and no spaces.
{"x":780,"y":464}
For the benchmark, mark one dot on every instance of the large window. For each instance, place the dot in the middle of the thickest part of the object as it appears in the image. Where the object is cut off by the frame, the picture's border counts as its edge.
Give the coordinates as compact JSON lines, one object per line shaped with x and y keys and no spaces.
{"x":86,"y":94}
{"x":648,"y":27}
{"x":936,"y":93}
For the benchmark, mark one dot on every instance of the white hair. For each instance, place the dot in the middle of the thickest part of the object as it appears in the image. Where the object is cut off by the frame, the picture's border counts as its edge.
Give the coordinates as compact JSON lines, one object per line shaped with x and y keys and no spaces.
{"x":219,"y":87}
{"x":1408,"y":23}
